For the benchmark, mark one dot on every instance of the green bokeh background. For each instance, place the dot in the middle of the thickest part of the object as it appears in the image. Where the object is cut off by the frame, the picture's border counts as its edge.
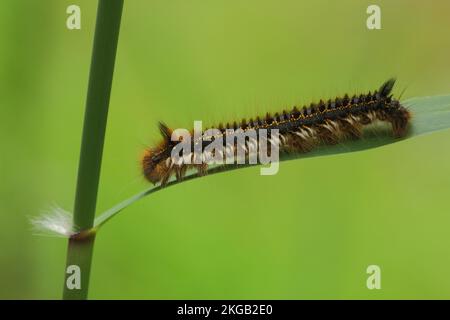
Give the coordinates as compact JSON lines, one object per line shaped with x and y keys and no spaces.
{"x":308,"y":232}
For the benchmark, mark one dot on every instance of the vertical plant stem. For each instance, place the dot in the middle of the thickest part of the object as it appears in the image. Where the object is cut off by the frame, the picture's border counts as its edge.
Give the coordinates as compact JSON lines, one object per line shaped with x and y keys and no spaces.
{"x":80,"y":248}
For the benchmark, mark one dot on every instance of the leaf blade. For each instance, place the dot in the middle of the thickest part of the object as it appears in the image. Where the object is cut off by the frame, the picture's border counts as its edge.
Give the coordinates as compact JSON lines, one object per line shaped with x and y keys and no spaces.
{"x":430,"y":114}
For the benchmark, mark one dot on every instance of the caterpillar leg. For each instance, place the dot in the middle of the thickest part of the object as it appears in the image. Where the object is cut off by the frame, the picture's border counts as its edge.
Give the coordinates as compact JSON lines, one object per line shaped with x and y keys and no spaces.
{"x":400,"y":124}
{"x":399,"y":119}
{"x":165,"y":178}
{"x":202,"y":169}
{"x":180,"y":172}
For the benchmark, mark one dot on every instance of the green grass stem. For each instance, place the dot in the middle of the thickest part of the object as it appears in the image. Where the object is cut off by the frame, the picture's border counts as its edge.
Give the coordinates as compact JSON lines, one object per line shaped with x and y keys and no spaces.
{"x":106,"y":36}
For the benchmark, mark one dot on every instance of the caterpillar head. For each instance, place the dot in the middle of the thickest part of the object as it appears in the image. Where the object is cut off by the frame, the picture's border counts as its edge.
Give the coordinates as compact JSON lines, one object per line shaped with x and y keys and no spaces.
{"x":154,"y":161}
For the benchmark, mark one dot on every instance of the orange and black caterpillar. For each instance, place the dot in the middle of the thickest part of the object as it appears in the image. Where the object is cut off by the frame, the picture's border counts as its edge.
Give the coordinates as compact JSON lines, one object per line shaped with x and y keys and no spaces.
{"x":300,"y":130}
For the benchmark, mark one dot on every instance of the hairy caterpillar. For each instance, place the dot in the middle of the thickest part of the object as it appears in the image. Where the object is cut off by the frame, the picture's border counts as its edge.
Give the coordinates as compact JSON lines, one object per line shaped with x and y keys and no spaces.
{"x":300,"y":130}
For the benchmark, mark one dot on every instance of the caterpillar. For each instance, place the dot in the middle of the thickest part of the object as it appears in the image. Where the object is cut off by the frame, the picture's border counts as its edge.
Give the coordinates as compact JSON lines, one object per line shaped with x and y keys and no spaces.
{"x":300,"y":129}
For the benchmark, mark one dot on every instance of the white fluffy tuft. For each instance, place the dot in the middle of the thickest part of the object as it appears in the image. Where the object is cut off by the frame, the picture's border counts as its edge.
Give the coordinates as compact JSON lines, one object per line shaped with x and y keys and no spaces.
{"x":54,"y":222}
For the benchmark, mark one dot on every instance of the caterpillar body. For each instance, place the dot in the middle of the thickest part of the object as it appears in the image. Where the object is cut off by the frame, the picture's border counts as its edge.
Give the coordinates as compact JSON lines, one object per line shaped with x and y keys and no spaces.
{"x":300,"y":129}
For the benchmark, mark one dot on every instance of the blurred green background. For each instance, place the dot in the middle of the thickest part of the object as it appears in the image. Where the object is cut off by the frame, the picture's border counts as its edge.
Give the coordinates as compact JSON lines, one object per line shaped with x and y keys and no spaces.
{"x":308,"y":232}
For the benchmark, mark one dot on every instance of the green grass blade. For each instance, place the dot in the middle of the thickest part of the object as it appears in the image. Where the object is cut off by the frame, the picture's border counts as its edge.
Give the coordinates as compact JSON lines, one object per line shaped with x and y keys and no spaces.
{"x":430,"y":114}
